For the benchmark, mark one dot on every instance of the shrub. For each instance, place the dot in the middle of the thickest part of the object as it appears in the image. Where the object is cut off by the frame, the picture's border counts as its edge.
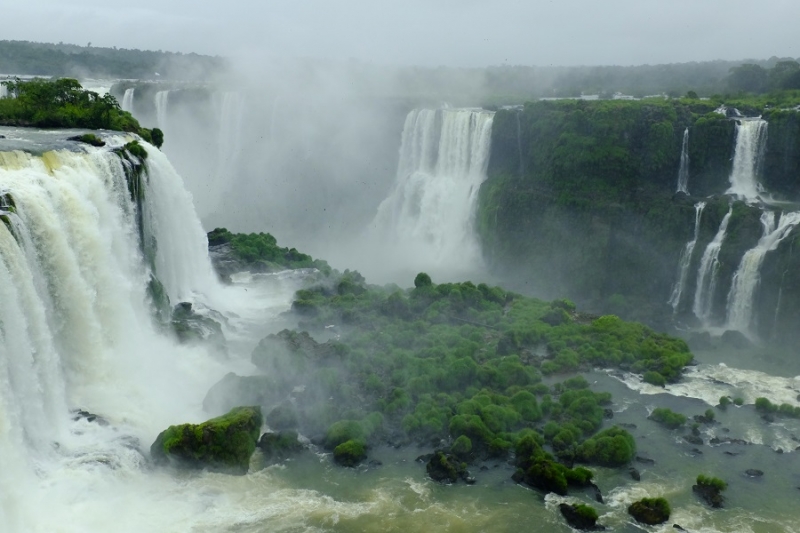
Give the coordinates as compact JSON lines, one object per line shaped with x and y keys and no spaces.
{"x":667,"y":417}
{"x":350,"y":453}
{"x":710,"y":481}
{"x":650,"y":511}
{"x":654,"y":378}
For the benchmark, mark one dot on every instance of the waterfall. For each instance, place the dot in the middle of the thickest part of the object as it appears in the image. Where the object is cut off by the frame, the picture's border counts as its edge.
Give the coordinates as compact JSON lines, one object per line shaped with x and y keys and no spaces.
{"x":429,"y":216}
{"x":162,"y":101}
{"x":229,"y":139}
{"x":3,"y":91}
{"x":707,"y":273}
{"x":76,"y":330}
{"x":127,"y":100}
{"x":741,"y":297}
{"x":683,"y":171}
{"x":751,"y":137}
{"x":686,"y":259}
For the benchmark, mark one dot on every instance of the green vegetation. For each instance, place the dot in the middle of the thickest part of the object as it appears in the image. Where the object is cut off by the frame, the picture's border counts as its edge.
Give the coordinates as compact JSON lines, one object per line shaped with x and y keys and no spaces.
{"x":710,"y":481}
{"x":738,"y":401}
{"x":63,"y":103}
{"x":667,"y":417}
{"x":277,"y":447}
{"x":350,"y":453}
{"x":579,"y":516}
{"x":650,"y":511}
{"x":260,"y":252}
{"x":764,"y":406}
{"x":724,"y":401}
{"x":222,"y":444}
{"x":89,"y":138}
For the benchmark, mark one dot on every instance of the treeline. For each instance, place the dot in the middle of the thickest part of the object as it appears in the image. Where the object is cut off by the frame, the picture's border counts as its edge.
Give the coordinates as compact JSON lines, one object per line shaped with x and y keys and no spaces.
{"x":754,"y":78}
{"x":46,"y":59}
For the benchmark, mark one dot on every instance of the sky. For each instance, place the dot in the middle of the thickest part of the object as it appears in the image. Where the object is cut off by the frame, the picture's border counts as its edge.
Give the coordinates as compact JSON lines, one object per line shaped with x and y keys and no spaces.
{"x":462,"y":33}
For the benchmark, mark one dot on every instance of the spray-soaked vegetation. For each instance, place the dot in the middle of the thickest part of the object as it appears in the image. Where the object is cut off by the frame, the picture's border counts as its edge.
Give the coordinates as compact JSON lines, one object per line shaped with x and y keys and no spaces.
{"x":63,"y":103}
{"x":260,"y":252}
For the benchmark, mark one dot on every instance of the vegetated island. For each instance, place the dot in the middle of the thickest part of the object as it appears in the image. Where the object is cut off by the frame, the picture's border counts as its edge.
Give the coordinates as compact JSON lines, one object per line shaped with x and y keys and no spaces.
{"x":64,"y":103}
{"x":468,"y":372}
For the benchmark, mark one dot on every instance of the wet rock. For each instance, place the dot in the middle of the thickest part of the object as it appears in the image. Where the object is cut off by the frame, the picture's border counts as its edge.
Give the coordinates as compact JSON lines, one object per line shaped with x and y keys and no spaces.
{"x":627,"y":425}
{"x":193,"y":327}
{"x":89,"y":417}
{"x":679,"y":528}
{"x":598,"y":496}
{"x":644,"y":460}
{"x":712,"y":495}
{"x":446,"y":468}
{"x":650,"y":511}
{"x":634,"y":473}
{"x":374,"y":463}
{"x":608,"y":413}
{"x":277,"y":447}
{"x":753,"y":472}
{"x":693,"y":439}
{"x":736,"y":340}
{"x":580,"y":517}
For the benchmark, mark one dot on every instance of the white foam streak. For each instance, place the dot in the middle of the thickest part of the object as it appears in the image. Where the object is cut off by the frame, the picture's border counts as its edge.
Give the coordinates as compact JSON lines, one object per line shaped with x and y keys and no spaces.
{"x":751,"y":136}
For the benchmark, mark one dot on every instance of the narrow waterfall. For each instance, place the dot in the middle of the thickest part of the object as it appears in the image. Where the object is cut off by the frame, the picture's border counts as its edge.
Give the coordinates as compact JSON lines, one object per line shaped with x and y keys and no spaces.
{"x":741,"y":297}
{"x":231,"y":112}
{"x":751,"y":137}
{"x":686,"y":259}
{"x":683,"y":171}
{"x":162,"y":101}
{"x":707,"y":273}
{"x":76,"y":331}
{"x":429,"y":216}
{"x":127,"y":100}
{"x":3,"y":91}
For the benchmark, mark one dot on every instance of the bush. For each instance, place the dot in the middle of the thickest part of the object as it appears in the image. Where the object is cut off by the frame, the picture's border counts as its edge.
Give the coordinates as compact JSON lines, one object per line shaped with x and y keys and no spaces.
{"x":650,"y":511}
{"x":667,"y":417}
{"x":350,"y":453}
{"x":654,"y":378}
{"x":611,"y":447}
{"x":710,"y":481}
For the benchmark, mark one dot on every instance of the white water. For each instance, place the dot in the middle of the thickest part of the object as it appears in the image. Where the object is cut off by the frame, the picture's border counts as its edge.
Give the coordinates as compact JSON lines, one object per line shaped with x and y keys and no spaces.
{"x":162,"y":101}
{"x":686,"y":260}
{"x":683,"y":171}
{"x":428,"y":219}
{"x":751,"y":136}
{"x":76,"y":332}
{"x":229,"y":143}
{"x":741,"y":298}
{"x":3,"y":91}
{"x":127,"y":100}
{"x":707,"y":273}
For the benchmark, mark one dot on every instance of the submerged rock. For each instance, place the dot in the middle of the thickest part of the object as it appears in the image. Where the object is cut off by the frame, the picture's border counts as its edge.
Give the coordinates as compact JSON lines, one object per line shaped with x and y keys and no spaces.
{"x":753,"y":472}
{"x":222,"y":444}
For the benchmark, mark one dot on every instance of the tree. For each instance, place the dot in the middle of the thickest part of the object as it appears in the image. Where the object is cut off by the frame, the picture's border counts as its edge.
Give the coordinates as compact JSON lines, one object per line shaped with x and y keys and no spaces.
{"x":748,"y":78}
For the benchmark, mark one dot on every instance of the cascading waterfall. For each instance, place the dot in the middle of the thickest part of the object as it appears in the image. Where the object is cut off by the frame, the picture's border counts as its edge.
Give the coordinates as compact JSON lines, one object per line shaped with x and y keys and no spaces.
{"x":76,"y":331}
{"x":741,"y":297}
{"x":686,"y":259}
{"x":751,"y":137}
{"x":430,"y":213}
{"x":162,"y":101}
{"x":707,"y":273}
{"x":683,"y":171}
{"x":127,"y":100}
{"x":231,"y":112}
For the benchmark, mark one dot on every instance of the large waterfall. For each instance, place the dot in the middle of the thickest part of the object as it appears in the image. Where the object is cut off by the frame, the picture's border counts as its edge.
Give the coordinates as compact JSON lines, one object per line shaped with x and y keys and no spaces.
{"x":686,"y":260}
{"x":429,"y":216}
{"x":751,"y":136}
{"x":683,"y":170}
{"x":741,"y":297}
{"x":127,"y":100}
{"x":707,"y":273}
{"x":76,"y":331}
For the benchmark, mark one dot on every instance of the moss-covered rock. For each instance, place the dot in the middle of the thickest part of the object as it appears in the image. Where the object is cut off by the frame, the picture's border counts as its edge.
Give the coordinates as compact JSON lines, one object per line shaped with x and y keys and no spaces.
{"x":350,"y":453}
{"x":650,"y":511}
{"x":580,"y":516}
{"x":710,"y":489}
{"x":446,"y":468}
{"x":222,"y":444}
{"x":277,"y":447}
{"x":190,"y":326}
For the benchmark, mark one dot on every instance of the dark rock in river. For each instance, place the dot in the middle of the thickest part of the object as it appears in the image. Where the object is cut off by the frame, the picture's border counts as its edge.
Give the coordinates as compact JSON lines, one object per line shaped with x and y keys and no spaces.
{"x":753,"y":472}
{"x":644,"y":460}
{"x":598,"y":496}
{"x":712,"y":495}
{"x":277,"y":447}
{"x":192,"y":327}
{"x":634,"y":474}
{"x":446,"y":468}
{"x":693,"y":439}
{"x":735,"y":339}
{"x":89,"y":417}
{"x":650,"y":511}
{"x":580,"y":517}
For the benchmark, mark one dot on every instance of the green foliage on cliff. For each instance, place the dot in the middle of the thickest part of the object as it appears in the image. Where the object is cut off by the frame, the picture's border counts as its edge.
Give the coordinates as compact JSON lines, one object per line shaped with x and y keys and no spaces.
{"x":63,"y":103}
{"x":262,"y":249}
{"x":222,"y":444}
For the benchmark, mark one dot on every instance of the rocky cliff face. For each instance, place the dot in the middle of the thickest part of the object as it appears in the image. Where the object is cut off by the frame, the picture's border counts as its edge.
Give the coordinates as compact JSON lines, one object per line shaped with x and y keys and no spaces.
{"x":580,"y":202}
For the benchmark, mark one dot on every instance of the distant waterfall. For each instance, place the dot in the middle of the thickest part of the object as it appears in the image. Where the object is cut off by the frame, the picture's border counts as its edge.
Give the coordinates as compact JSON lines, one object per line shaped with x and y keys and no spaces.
{"x":707,"y":273}
{"x":683,"y":171}
{"x":162,"y":100}
{"x":751,"y":137}
{"x":127,"y":100}
{"x":741,"y":297}
{"x":3,"y":91}
{"x":429,"y":216}
{"x":686,"y":259}
{"x":230,"y":134}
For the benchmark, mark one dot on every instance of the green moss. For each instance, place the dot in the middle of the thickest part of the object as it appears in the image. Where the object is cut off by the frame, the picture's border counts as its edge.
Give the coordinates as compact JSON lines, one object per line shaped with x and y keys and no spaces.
{"x":611,"y":447}
{"x":650,"y":511}
{"x":221,"y":444}
{"x":710,"y":481}
{"x":350,"y":453}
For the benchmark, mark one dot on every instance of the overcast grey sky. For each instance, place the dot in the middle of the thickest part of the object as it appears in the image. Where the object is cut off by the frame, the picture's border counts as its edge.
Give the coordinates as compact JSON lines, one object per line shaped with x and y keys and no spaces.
{"x":425,"y":32}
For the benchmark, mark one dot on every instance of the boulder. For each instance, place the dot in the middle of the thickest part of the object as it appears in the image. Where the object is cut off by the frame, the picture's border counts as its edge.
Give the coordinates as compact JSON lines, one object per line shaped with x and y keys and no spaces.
{"x":350,"y":453}
{"x":277,"y":447}
{"x":736,"y":340}
{"x":753,"y":472}
{"x":223,"y":444}
{"x":580,"y":516}
{"x":650,"y":511}
{"x":192,"y":327}
{"x":446,"y":468}
{"x":711,"y":494}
